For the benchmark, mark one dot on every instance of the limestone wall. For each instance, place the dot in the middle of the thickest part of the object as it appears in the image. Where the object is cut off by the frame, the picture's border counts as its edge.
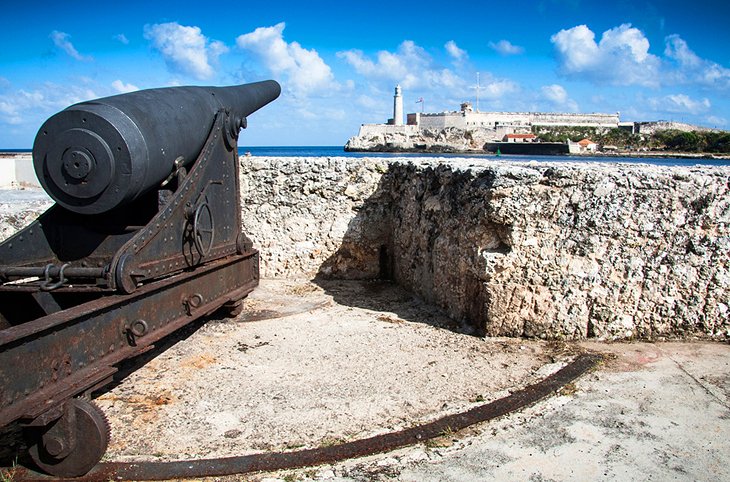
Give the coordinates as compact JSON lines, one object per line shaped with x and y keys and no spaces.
{"x":543,"y":250}
{"x":312,"y":215}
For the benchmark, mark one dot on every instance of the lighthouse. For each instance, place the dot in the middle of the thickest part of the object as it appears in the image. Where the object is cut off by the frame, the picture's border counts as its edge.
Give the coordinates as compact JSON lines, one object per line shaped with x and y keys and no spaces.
{"x":397,"y":107}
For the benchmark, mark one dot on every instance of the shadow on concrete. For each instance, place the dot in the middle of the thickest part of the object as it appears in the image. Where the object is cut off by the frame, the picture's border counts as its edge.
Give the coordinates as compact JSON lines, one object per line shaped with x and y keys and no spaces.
{"x":360,"y":273}
{"x":394,"y":302}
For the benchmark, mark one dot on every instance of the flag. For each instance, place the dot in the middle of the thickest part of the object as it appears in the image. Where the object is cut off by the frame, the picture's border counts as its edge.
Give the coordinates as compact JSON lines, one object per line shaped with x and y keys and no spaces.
{"x":420,"y":100}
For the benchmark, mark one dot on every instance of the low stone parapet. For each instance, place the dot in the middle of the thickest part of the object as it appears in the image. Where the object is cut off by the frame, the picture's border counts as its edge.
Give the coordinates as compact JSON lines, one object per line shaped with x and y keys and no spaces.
{"x":612,"y":251}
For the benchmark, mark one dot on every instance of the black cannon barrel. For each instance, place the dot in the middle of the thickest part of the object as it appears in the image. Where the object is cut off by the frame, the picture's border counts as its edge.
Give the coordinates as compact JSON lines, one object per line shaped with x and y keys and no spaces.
{"x":101,"y":154}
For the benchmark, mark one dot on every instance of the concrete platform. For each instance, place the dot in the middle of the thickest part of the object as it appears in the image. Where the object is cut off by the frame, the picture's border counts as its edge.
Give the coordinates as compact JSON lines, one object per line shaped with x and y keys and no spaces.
{"x":655,"y":412}
{"x":321,"y":364}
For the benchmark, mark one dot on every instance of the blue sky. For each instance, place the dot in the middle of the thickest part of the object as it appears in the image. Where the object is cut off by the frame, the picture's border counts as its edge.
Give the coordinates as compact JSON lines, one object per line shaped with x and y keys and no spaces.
{"x":339,"y":61}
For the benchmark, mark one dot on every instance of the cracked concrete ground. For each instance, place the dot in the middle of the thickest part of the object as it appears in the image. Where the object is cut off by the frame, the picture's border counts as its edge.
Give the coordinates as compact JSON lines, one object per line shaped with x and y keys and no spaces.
{"x":320,"y":364}
{"x":655,"y":412}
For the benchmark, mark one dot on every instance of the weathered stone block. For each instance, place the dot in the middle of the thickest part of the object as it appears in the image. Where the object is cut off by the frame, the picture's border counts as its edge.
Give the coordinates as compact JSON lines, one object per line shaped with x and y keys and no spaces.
{"x":517,"y":249}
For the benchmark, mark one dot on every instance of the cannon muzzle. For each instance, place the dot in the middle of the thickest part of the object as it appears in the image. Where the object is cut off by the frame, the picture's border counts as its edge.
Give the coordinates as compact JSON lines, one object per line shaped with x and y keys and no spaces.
{"x":97,"y":155}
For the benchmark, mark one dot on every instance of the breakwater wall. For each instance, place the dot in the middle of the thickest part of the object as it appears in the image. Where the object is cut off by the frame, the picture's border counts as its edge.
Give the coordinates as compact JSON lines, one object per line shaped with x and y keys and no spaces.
{"x":515,"y":249}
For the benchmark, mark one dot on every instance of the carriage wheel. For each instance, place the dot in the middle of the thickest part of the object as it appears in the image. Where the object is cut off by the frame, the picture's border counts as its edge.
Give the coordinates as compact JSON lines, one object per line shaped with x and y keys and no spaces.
{"x":73,"y":444}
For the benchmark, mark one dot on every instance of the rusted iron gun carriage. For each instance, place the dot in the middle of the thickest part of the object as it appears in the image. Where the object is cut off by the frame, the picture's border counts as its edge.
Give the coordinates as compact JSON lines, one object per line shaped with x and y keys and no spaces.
{"x":145,"y":237}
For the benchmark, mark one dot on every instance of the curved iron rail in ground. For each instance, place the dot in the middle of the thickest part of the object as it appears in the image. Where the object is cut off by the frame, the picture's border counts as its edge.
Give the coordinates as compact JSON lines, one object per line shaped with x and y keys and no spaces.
{"x":270,"y":462}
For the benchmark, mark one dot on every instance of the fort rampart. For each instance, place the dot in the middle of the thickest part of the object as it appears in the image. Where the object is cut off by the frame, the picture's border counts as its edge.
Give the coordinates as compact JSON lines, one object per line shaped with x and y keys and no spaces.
{"x":517,"y":249}
{"x":470,"y":119}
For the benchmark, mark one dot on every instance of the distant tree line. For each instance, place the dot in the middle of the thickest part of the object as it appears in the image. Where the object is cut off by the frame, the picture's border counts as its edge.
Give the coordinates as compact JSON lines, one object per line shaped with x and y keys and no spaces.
{"x":694,"y":141}
{"x":670,"y":140}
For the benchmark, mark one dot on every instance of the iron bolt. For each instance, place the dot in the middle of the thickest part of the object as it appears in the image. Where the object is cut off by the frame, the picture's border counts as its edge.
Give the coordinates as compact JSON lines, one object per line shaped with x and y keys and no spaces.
{"x":53,"y":445}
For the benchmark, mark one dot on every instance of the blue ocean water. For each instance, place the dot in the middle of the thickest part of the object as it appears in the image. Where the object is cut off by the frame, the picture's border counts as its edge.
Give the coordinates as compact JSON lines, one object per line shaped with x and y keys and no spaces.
{"x":338,"y":151}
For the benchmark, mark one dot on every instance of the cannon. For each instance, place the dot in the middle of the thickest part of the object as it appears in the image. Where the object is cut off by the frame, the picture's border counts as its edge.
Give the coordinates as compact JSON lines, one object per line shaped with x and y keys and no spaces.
{"x":144,"y":237}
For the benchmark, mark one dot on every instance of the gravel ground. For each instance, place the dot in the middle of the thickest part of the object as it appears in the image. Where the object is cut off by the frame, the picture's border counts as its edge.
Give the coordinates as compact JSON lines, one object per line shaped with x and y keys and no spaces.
{"x":314,"y":372}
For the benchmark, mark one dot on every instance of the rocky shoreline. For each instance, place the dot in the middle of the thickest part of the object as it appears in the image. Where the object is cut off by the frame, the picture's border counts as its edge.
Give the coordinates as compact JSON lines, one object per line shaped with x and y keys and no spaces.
{"x":442,"y":149}
{"x":456,"y":140}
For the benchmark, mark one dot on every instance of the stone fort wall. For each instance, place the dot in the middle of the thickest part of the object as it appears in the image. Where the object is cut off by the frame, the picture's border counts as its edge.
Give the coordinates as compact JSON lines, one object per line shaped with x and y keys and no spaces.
{"x":465,"y":120}
{"x":516,"y":249}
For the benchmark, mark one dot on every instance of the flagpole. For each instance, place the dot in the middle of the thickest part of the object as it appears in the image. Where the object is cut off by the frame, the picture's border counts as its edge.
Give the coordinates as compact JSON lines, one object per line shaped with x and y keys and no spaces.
{"x":420,"y":101}
{"x":477,"y":91}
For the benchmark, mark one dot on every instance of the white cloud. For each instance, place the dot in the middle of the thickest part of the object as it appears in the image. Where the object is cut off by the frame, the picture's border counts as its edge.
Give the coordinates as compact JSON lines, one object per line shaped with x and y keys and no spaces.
{"x":22,"y":106}
{"x":410,"y":66}
{"x":679,"y":104}
{"x":558,"y":96}
{"x":693,"y":69}
{"x":676,"y":48}
{"x":368,"y":102}
{"x":497,"y":88}
{"x":402,"y":66}
{"x":123,"y":88}
{"x":12,"y":106}
{"x":626,"y":41}
{"x":185,"y":49}
{"x":454,"y":51}
{"x":62,"y":42}
{"x":716,"y":121}
{"x":305,"y":71}
{"x":122,"y":38}
{"x":331,"y":114}
{"x":555,"y":93}
{"x":577,"y":49}
{"x":443,"y":88}
{"x":505,"y":47}
{"x":621,"y":57}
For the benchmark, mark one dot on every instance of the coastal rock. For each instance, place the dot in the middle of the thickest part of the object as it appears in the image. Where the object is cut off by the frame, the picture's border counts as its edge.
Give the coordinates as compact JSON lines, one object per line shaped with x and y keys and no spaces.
{"x":449,"y":139}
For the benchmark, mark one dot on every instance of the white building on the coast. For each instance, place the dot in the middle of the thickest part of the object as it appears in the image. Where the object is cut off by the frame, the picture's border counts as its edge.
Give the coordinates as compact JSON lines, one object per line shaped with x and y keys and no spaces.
{"x":467,"y":129}
{"x":467,"y":118}
{"x":498,"y":123}
{"x":397,"y":107}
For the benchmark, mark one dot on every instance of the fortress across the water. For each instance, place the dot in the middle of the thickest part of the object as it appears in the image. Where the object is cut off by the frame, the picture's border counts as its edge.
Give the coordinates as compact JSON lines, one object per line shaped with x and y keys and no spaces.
{"x":467,"y":118}
{"x":493,"y":126}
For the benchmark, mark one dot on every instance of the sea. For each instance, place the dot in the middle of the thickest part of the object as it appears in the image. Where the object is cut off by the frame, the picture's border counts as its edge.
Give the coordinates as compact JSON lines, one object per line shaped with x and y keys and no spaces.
{"x":338,"y":151}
